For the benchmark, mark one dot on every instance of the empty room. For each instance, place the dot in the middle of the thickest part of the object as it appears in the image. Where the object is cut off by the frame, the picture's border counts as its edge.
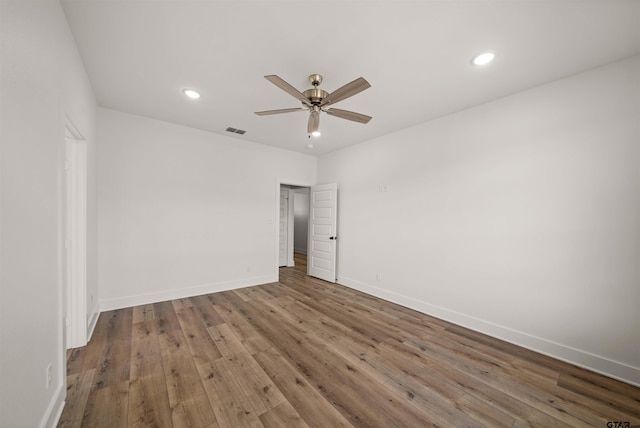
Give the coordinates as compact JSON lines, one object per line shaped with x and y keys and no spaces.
{"x":319,"y":214}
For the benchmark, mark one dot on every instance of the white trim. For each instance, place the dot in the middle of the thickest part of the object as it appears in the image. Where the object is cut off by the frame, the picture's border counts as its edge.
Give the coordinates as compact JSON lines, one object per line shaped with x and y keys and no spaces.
{"x":91,"y":325}
{"x":52,"y":415}
{"x":598,"y":364}
{"x":76,"y":211}
{"x":181,"y":293}
{"x":276,"y":222}
{"x":283,"y":217}
{"x":72,"y":130}
{"x":290,"y":222}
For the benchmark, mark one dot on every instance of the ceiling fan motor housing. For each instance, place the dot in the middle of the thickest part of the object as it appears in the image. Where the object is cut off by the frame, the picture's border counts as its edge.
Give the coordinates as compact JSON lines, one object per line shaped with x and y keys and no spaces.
{"x":315,"y":95}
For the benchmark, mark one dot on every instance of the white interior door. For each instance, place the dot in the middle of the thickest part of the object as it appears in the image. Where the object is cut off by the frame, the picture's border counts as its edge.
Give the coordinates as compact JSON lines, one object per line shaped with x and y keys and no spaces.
{"x":323,"y":207}
{"x":284,"y":227}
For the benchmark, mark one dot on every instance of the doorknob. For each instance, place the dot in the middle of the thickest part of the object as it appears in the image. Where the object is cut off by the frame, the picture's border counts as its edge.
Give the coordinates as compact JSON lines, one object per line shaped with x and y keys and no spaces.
{"x":333,"y":237}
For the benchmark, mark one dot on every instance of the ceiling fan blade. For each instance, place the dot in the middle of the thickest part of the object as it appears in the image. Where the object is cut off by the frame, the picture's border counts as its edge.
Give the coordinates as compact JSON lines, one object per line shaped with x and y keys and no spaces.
{"x":282,"y":110}
{"x":349,"y":115}
{"x":287,"y":87}
{"x":346,"y":91}
{"x":314,"y":122}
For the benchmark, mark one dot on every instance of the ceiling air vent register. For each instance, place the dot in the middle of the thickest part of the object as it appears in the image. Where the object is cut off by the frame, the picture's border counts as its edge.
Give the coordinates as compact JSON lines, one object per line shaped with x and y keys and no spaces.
{"x":235,"y":131}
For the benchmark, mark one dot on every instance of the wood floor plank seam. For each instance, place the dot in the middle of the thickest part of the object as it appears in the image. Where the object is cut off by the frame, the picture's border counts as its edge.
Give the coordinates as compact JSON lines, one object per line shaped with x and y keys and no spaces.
{"x":302,"y":352}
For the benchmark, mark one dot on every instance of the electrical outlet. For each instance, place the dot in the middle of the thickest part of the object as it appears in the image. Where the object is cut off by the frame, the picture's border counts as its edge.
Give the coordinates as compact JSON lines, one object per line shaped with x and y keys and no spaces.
{"x":49,"y":376}
{"x":379,"y":276}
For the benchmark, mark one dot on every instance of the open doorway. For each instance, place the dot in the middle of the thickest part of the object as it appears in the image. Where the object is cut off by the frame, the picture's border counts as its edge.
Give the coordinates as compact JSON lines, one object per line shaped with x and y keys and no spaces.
{"x":293,"y":230}
{"x":321,"y":225}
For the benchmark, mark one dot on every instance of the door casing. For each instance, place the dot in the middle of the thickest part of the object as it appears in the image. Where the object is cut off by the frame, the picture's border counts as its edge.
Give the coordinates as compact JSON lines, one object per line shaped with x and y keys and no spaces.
{"x":279,"y":184}
{"x":75,"y":237}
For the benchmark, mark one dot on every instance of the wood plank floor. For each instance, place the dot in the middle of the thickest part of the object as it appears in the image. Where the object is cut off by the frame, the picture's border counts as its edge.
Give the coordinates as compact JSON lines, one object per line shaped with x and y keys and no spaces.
{"x":305,"y":353}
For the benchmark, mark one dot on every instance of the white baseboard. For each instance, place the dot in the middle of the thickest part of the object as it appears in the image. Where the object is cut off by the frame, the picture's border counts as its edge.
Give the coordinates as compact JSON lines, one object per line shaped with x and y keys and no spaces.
{"x":181,"y":293}
{"x":607,"y":367}
{"x":54,"y":410}
{"x":93,"y":321}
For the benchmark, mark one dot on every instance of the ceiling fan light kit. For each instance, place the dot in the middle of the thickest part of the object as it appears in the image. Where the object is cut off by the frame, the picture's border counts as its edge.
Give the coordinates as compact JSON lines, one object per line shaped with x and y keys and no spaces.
{"x":315,"y":100}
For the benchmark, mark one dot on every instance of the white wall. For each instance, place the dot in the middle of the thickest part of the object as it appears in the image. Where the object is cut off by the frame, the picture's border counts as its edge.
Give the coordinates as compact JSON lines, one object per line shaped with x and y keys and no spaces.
{"x":43,"y":81}
{"x":519,"y":218}
{"x":185,"y":212}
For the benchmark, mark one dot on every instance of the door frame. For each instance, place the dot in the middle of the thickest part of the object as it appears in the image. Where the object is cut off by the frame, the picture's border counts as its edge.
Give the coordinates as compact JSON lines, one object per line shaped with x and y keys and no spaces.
{"x":75,"y":241}
{"x":290,"y":221}
{"x":288,"y":212}
{"x":276,"y":232}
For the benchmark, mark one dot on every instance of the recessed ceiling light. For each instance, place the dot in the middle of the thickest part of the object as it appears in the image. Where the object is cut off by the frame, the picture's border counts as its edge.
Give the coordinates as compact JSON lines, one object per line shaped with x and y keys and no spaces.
{"x":191,"y":94}
{"x":316,"y":134}
{"x":484,"y":58}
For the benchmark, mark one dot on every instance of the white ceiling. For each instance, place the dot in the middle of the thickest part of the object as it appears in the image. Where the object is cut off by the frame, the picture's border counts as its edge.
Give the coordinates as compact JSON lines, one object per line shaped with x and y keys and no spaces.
{"x":416,"y":54}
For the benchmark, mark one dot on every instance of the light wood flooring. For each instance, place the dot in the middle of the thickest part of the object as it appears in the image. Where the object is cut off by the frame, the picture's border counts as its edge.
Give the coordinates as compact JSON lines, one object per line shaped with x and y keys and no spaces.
{"x":302,"y":352}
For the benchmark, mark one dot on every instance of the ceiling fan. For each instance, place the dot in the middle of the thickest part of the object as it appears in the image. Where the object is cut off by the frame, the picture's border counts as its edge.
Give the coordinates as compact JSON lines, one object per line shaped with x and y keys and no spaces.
{"x":316,"y":100}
